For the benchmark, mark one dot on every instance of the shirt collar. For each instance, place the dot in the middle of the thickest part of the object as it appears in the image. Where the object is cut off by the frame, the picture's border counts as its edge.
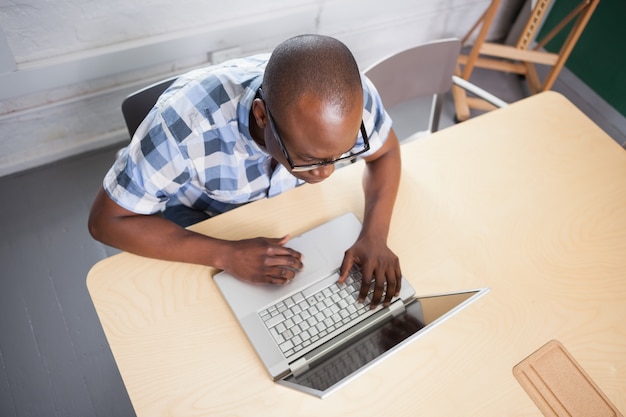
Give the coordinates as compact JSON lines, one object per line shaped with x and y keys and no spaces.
{"x":245,"y":105}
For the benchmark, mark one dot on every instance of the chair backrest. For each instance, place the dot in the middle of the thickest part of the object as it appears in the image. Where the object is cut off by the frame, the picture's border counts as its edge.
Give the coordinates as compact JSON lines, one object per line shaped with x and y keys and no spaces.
{"x":420,"y":71}
{"x":137,"y":105}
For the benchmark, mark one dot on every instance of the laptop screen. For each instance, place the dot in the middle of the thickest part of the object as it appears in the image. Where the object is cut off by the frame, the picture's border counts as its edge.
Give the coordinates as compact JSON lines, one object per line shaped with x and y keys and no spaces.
{"x":339,"y":366}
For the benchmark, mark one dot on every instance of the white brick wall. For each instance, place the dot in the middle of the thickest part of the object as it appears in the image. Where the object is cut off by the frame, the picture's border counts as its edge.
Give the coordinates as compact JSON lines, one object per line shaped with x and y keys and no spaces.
{"x":66,"y":66}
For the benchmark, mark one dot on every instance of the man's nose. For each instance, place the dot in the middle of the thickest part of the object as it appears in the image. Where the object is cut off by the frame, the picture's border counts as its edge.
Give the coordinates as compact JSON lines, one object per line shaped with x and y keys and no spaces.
{"x":323,"y":171}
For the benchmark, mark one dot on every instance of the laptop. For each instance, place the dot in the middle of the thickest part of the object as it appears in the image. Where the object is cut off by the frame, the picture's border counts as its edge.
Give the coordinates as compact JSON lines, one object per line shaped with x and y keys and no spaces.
{"x":312,"y":334}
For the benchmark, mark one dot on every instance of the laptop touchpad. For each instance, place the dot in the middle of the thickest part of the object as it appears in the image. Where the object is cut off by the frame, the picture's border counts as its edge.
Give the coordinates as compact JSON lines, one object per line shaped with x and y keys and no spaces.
{"x":313,"y":260}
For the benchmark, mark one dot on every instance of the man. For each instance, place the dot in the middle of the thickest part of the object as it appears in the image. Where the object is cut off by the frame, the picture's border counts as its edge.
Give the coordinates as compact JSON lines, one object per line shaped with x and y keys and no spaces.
{"x":229,"y":134}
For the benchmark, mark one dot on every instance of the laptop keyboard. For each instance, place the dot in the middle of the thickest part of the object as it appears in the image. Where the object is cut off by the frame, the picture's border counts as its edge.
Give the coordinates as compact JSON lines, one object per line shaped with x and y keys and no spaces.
{"x":299,"y":321}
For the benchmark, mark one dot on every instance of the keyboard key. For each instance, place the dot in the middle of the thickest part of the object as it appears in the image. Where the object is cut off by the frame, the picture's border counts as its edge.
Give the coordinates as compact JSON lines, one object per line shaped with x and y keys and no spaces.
{"x":277,"y":336}
{"x":273,"y":321}
{"x":286,"y":346}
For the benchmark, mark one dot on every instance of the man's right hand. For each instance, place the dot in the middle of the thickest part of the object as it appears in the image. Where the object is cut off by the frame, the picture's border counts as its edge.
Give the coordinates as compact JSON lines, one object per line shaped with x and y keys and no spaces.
{"x":263,"y":260}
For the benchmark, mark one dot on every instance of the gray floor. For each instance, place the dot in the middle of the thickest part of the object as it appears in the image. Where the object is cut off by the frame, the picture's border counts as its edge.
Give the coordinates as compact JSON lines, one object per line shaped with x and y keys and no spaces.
{"x":54,"y":358}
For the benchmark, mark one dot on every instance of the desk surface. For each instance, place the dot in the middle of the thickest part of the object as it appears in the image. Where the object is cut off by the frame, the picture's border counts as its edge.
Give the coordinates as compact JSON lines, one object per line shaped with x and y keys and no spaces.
{"x":529,"y":200}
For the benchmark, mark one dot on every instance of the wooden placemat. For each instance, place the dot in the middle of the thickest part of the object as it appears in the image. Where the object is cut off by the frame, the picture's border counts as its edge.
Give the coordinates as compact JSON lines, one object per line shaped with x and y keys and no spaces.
{"x":559,"y":386}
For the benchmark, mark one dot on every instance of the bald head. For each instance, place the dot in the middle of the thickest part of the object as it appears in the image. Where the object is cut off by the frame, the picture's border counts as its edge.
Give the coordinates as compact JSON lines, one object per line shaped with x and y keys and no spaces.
{"x":314,"y":65}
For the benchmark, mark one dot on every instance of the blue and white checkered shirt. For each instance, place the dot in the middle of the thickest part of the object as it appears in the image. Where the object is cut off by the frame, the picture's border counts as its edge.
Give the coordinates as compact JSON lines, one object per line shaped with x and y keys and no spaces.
{"x":194,"y":148}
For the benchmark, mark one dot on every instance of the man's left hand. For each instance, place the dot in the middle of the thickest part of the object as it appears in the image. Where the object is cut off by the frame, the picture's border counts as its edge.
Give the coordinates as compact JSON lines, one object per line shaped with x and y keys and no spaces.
{"x":378,"y":264}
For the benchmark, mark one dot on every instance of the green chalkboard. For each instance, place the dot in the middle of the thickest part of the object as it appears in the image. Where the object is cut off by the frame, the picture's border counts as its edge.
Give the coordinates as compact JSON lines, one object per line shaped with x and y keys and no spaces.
{"x":599,"y":57}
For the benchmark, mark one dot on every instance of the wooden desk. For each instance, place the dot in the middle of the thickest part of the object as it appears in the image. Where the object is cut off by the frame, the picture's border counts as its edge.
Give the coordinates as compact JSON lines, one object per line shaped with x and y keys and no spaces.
{"x":529,"y":200}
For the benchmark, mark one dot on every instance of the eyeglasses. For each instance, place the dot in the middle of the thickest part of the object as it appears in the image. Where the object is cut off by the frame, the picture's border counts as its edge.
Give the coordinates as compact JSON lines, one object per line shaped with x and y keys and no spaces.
{"x":349,"y":156}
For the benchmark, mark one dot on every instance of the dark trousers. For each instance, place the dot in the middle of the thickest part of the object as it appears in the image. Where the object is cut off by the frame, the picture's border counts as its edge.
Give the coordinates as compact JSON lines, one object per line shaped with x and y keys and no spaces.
{"x":184,"y":216}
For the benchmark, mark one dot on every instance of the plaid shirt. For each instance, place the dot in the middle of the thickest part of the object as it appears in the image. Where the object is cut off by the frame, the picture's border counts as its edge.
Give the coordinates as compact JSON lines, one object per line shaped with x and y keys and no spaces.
{"x":194,"y":147}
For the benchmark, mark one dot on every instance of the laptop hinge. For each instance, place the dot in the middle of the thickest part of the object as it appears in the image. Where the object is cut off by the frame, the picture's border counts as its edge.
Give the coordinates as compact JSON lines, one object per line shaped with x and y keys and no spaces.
{"x":397,"y":308}
{"x":299,"y":366}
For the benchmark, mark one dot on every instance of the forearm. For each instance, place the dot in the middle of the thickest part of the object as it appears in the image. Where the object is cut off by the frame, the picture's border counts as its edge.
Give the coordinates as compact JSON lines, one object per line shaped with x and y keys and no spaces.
{"x":155,"y":237}
{"x":152,"y":236}
{"x":380,"y":184}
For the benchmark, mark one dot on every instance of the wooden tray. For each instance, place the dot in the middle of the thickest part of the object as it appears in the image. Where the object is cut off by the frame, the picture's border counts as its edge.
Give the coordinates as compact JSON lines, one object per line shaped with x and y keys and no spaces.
{"x":559,"y":386}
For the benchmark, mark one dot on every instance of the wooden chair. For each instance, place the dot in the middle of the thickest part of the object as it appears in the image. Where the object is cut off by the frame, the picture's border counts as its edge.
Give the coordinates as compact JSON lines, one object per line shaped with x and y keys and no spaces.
{"x":522,"y":57}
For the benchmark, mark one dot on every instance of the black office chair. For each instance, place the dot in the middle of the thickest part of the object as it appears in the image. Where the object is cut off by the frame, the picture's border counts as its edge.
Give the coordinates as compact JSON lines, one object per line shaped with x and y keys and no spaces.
{"x":137,"y":105}
{"x":421,"y":71}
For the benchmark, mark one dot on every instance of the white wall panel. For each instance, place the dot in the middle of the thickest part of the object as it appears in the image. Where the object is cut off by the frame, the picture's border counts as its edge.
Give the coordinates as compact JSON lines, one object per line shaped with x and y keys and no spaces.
{"x":44,"y":29}
{"x":50,"y":73}
{"x":76,"y":60}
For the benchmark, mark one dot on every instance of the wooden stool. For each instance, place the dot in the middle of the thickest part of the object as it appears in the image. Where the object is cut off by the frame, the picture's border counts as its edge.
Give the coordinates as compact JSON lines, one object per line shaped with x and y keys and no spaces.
{"x":518,"y":59}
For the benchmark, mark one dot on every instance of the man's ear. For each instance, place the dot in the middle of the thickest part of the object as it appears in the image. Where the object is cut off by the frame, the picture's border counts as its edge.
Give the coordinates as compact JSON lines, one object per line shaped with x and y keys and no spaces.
{"x":259,"y":113}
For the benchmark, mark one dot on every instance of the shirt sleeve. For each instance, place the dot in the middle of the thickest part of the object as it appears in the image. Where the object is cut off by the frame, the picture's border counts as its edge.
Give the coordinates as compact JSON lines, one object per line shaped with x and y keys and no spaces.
{"x":150,"y":170}
{"x":375,"y":118}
